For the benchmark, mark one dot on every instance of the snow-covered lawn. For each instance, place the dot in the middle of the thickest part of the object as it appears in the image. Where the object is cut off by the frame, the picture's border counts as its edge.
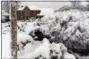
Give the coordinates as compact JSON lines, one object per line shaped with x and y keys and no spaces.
{"x":6,"y":41}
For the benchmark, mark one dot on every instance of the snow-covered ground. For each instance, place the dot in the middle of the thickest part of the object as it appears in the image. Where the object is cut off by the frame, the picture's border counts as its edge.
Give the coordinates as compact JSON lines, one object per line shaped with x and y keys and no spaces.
{"x":60,"y":26}
{"x":6,"y":40}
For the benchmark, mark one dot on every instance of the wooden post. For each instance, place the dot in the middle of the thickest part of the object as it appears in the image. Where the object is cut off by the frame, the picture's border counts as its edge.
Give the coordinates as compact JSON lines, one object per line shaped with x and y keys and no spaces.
{"x":14,"y":29}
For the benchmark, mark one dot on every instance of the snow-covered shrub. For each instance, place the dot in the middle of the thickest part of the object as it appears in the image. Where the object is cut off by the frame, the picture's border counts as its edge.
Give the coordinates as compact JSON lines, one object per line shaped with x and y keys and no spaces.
{"x":29,"y":48}
{"x":65,"y":54}
{"x":41,"y":50}
{"x":44,"y":50}
{"x":5,"y":16}
{"x":60,"y":51}
{"x":68,"y":27}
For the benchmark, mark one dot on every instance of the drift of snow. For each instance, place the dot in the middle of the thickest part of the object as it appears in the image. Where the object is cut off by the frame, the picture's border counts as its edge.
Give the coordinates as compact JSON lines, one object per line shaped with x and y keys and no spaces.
{"x":42,"y":49}
{"x":22,"y":37}
{"x":6,"y":42}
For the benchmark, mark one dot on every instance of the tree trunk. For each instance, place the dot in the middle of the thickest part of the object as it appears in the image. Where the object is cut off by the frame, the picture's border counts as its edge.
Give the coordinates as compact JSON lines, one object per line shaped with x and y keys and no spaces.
{"x":14,"y":29}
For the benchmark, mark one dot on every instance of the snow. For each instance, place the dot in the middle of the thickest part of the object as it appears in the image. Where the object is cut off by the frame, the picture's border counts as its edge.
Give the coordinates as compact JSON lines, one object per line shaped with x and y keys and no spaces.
{"x":66,"y":25}
{"x":56,"y":48}
{"x":31,"y":7}
{"x":4,"y":14}
{"x":3,"y":17}
{"x":22,"y":37}
{"x":30,"y":27}
{"x":6,"y":43}
{"x":65,"y":54}
{"x":42,"y":49}
{"x":44,"y":11}
{"x":69,"y":56}
{"x":21,"y":8}
{"x":27,"y":49}
{"x":84,"y":3}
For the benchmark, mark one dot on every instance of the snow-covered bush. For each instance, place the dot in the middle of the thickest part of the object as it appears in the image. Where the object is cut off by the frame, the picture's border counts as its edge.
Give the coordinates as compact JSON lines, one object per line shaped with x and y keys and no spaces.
{"x":68,"y":27}
{"x":5,"y":16}
{"x":35,"y":39}
{"x":45,"y":50}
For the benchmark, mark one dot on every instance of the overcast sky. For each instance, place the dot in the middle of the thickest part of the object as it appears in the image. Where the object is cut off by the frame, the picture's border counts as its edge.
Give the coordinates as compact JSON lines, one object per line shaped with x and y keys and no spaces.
{"x":54,"y":5}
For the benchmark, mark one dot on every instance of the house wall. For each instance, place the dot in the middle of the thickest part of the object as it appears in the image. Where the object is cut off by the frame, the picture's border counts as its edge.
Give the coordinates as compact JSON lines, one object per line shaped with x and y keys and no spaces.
{"x":27,"y":13}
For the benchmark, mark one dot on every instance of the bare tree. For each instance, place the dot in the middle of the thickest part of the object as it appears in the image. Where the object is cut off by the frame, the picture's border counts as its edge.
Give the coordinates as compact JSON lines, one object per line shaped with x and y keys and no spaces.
{"x":18,"y":4}
{"x":75,"y":3}
{"x":5,"y":6}
{"x":87,"y":4}
{"x":14,"y":29}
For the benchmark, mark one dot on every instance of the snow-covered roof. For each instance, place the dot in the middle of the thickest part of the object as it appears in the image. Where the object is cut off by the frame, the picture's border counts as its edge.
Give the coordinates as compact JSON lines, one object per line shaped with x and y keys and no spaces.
{"x":32,"y":7}
{"x":21,"y":8}
{"x":44,"y":11}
